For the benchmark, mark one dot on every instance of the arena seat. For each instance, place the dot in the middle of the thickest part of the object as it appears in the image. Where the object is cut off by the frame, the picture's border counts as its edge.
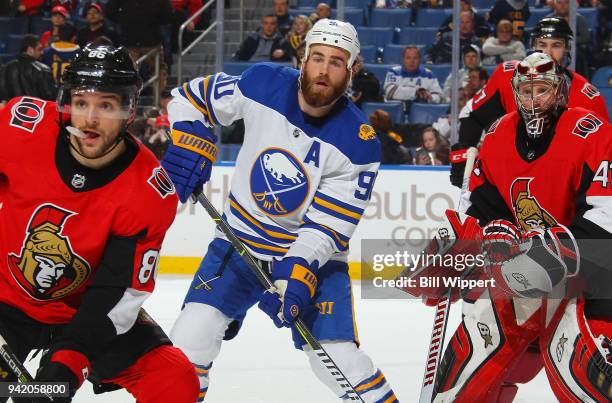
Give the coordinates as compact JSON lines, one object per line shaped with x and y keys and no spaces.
{"x":353,"y":15}
{"x":40,"y":25}
{"x":368,"y":52}
{"x":395,"y":109}
{"x":390,"y":17}
{"x":426,"y":113}
{"x":432,"y":17}
{"x":417,"y":36}
{"x":536,"y":15}
{"x":379,"y":71}
{"x":606,"y":92}
{"x":376,"y":36}
{"x":591,"y":15}
{"x":441,"y":71}
{"x":13,"y":44}
{"x":602,"y":77}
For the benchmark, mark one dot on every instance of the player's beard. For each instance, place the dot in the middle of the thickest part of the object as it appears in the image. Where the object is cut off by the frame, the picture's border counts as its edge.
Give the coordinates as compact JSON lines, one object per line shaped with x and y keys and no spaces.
{"x":105,"y":145}
{"x":321,"y":96}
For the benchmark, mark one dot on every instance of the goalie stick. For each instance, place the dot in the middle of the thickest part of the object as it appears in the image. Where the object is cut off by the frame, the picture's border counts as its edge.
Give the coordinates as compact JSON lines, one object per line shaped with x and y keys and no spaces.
{"x":438,"y":332}
{"x":262,"y":276}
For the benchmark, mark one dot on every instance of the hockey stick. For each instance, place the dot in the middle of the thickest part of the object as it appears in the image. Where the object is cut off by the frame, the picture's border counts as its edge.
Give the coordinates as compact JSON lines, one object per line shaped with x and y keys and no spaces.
{"x":22,"y":374}
{"x":442,"y":309}
{"x":262,"y":276}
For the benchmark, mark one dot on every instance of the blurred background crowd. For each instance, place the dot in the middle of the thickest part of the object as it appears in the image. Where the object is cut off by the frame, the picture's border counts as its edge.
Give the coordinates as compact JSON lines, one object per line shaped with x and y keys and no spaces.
{"x":401,"y":40}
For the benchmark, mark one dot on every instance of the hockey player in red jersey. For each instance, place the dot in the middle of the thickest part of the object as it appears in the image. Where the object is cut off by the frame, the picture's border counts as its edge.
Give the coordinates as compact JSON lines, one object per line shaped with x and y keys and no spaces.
{"x":84,"y":208}
{"x":552,"y":36}
{"x":542,"y":192}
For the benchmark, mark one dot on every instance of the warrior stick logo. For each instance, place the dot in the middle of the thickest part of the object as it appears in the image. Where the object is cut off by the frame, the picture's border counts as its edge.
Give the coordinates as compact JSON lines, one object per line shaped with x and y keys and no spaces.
{"x":279,"y":182}
{"x":47,"y":268}
{"x":527,"y":211}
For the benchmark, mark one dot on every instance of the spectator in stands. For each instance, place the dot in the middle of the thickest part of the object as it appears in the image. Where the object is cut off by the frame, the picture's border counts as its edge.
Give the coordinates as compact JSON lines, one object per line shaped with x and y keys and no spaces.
{"x":30,"y":7}
{"x":69,"y":5}
{"x":322,"y":11}
{"x":59,"y":14}
{"x":516,"y":11}
{"x":471,"y":59}
{"x":582,"y":37}
{"x":60,"y":53}
{"x":140,"y":24}
{"x":412,"y":81}
{"x":391,"y":147}
{"x":442,"y":125}
{"x":441,"y":51}
{"x":477,"y":79}
{"x":296,"y":36}
{"x":364,"y":86}
{"x":164,"y":99}
{"x":266,"y":44}
{"x":26,"y":75}
{"x":284,"y":20}
{"x":433,"y":150}
{"x":183,"y":10}
{"x":503,"y":47}
{"x":480,"y":23}
{"x":96,"y":27}
{"x":393,"y":3}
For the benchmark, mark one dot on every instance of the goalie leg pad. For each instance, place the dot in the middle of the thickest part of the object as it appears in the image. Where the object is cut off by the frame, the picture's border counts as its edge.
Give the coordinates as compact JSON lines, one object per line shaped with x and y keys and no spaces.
{"x":575,"y":350}
{"x":358,"y":368}
{"x":487,"y":339}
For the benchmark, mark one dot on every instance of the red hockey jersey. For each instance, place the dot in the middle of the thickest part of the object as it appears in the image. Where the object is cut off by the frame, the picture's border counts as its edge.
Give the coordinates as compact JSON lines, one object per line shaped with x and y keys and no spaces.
{"x":64,"y":227}
{"x":497,"y":98}
{"x":565,"y":178}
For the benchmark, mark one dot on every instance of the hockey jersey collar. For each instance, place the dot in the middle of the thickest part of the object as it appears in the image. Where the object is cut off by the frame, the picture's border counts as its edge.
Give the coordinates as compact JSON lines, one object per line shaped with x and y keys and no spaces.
{"x":80,"y":178}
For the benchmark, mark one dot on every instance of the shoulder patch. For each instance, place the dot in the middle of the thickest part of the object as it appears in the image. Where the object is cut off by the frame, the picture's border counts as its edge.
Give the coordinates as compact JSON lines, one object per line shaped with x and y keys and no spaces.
{"x":509,"y":66}
{"x":366,"y":132}
{"x":26,"y":113}
{"x":590,"y":90}
{"x":586,"y":125}
{"x":161,"y":182}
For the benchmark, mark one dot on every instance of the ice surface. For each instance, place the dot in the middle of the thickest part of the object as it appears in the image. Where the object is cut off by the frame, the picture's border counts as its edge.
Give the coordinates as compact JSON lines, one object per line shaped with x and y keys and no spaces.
{"x":261,"y":366}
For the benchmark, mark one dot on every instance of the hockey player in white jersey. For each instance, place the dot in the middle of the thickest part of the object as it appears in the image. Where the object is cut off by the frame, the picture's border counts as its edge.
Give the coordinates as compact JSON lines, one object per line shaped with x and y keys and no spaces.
{"x":304,"y":176}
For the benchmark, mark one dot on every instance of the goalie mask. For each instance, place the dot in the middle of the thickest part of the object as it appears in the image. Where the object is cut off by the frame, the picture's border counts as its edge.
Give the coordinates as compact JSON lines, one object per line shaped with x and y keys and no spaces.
{"x":541,"y":90}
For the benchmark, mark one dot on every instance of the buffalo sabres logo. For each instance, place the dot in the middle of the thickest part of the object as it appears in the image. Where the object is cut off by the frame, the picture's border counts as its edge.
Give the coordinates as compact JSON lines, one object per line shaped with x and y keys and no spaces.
{"x":279,"y":183}
{"x":47,"y":267}
{"x":528,"y":212}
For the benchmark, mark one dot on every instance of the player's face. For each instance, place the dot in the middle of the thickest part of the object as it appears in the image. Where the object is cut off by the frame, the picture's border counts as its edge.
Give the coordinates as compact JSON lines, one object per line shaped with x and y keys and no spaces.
{"x":412,"y":58}
{"x":100,"y":116}
{"x":325,"y":75}
{"x":553,"y":47}
{"x":429,"y":141}
{"x":470,"y":60}
{"x":536,"y":95}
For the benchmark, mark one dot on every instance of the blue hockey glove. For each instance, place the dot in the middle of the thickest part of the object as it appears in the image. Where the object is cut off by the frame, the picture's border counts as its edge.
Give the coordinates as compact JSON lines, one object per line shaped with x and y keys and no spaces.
{"x":189,"y":158}
{"x":295,"y":284}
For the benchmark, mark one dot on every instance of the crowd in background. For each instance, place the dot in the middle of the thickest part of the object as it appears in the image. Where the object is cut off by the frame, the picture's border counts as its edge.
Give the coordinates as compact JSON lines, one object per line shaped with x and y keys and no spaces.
{"x":486,"y":39}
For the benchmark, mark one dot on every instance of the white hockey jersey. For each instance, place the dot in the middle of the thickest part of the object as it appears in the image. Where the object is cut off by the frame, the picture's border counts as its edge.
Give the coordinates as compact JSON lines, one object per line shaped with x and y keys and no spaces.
{"x":301,"y":184}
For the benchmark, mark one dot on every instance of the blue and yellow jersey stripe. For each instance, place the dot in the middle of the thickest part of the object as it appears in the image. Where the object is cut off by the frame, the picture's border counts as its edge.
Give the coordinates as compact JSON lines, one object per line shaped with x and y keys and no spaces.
{"x":270,"y":233}
{"x":260,"y":245}
{"x":199,"y":102}
{"x":341,"y":241}
{"x":337,"y":208}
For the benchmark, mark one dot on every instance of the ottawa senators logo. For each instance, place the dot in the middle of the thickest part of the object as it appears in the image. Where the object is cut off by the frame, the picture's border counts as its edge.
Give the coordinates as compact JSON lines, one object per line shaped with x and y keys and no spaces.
{"x":527,"y":211}
{"x":47,"y":268}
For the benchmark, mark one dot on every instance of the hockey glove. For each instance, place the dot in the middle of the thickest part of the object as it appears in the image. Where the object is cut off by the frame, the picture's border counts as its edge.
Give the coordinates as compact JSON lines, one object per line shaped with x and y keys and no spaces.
{"x":500,"y":240}
{"x":68,"y":366}
{"x":295,"y":284}
{"x":545,"y":258}
{"x":458,"y":157}
{"x":189,"y":158}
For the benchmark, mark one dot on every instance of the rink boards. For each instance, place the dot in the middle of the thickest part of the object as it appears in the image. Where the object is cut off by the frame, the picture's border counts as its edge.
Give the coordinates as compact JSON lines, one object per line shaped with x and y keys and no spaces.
{"x":407,"y":203}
